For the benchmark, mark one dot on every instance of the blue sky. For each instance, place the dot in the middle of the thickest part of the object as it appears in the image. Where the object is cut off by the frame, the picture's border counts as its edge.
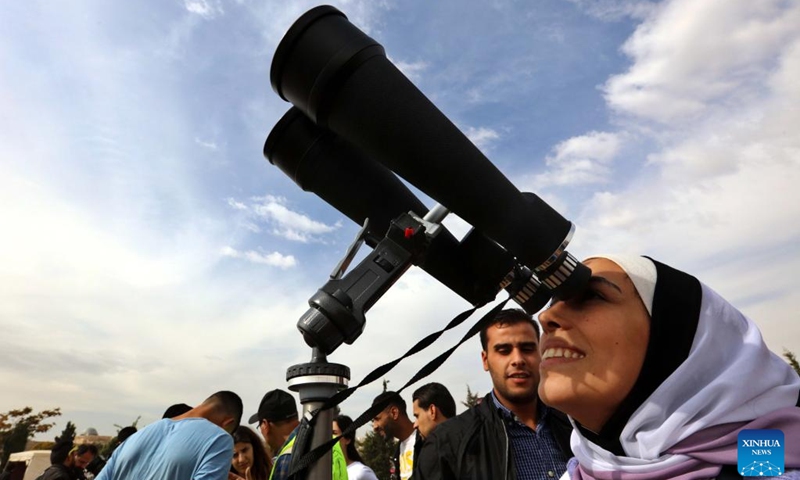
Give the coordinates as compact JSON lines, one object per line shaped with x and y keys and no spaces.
{"x":150,"y":255}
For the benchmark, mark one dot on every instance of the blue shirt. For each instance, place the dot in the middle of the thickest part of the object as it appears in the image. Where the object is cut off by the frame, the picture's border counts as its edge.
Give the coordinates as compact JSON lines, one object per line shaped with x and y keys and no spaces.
{"x":535,"y":452}
{"x":188,"y":449}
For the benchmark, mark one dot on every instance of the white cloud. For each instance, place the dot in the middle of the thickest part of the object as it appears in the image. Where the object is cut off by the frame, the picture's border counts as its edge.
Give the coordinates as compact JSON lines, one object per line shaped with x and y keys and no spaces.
{"x":252,"y":227}
{"x":412,"y":70}
{"x":205,"y":144}
{"x":207,"y":9}
{"x":718,"y":191}
{"x":285,"y":222}
{"x":612,"y":10}
{"x":87,"y":313}
{"x":581,"y":160}
{"x":288,"y":223}
{"x":274,"y":259}
{"x":482,"y":137}
{"x":693,"y":56}
{"x":236,"y":205}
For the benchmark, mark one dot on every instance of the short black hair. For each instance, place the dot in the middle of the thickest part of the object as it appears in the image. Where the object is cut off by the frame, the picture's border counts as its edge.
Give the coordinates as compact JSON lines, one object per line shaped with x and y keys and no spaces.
{"x":87,"y":447}
{"x":227,"y":403}
{"x":395,"y":400}
{"x":125,"y":433}
{"x":435,"y":394}
{"x":176,"y":410}
{"x":60,"y":451}
{"x":509,"y":316}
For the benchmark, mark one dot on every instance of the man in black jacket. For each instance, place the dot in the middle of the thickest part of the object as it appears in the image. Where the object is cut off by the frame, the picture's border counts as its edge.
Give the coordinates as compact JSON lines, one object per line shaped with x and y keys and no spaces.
{"x":67,"y":461}
{"x":432,"y":405}
{"x":511,"y":435}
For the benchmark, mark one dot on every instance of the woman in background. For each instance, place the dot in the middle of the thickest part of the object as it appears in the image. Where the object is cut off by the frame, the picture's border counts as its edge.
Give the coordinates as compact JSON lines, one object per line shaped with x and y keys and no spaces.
{"x":356,"y":470}
{"x":659,"y":374}
{"x":250,"y":460}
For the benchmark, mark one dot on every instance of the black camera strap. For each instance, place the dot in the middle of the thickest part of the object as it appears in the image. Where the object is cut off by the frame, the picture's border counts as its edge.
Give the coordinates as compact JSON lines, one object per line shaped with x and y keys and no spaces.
{"x":303,"y":462}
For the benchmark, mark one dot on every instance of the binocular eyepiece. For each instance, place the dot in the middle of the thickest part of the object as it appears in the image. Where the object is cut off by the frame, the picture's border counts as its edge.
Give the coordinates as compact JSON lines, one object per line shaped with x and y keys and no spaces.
{"x":357,"y":122}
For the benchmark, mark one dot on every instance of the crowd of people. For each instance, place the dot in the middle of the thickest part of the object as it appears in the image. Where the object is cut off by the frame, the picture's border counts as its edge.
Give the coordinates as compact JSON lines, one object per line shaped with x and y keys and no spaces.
{"x":646,"y":374}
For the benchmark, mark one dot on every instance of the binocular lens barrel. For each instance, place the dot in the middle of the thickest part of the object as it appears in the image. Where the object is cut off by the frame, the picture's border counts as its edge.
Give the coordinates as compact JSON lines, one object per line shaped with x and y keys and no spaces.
{"x":340,"y":78}
{"x":321,"y":162}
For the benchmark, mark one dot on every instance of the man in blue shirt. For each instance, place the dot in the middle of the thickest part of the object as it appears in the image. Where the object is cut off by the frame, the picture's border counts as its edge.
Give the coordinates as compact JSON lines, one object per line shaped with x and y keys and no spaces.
{"x":511,"y":434}
{"x":194,"y":446}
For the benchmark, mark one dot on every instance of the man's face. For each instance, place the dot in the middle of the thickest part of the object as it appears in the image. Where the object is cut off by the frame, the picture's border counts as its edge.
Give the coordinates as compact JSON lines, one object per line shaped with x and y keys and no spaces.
{"x":425,"y":422}
{"x":383,"y":423}
{"x":512,"y":359}
{"x":81,"y":461}
{"x":270,"y":433}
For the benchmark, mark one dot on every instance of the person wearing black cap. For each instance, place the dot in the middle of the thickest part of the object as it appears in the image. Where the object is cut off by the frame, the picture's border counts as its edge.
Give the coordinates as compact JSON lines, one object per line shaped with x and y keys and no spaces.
{"x":277,"y":421}
{"x":276,"y":418}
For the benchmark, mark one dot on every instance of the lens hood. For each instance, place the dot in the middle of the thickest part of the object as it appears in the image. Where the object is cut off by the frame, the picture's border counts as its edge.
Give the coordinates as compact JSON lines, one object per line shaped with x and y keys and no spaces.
{"x":316,"y":55}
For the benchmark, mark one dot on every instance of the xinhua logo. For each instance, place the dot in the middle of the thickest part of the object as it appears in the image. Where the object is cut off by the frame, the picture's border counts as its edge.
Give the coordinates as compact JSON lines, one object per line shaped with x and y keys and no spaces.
{"x":760,"y":453}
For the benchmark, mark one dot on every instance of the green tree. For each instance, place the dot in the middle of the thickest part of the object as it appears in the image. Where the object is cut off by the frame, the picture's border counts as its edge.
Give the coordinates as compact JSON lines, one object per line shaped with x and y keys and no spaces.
{"x":377,"y":453}
{"x":17,"y":426}
{"x":67,"y":433}
{"x":473,"y":398}
{"x":792,"y":360}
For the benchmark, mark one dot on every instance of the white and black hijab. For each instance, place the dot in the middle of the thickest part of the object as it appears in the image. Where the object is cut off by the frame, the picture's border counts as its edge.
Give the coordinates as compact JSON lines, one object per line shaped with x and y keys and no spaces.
{"x":707,"y":374}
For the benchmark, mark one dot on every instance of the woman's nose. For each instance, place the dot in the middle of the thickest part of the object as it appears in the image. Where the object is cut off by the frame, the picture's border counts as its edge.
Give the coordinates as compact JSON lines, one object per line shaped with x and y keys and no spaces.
{"x":549,"y":319}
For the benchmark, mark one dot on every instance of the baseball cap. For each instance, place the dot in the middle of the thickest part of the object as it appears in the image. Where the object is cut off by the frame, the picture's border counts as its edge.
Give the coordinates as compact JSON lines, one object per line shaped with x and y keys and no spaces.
{"x":276,"y":405}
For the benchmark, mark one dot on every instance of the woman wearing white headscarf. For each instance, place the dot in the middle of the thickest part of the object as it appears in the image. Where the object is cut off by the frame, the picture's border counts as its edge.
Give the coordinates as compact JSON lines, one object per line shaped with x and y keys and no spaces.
{"x":659,"y":374}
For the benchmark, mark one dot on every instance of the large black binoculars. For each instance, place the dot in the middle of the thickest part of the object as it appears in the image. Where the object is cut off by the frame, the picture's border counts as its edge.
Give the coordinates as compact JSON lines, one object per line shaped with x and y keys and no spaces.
{"x":357,"y":119}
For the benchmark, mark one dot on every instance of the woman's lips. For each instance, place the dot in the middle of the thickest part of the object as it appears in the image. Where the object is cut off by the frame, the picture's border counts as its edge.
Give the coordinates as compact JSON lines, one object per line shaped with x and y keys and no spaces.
{"x":562,"y":353}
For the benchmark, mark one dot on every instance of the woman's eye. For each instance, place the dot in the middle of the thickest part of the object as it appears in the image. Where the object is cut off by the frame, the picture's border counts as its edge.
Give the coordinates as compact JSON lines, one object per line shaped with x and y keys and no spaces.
{"x":584,"y":296}
{"x":590,"y":294}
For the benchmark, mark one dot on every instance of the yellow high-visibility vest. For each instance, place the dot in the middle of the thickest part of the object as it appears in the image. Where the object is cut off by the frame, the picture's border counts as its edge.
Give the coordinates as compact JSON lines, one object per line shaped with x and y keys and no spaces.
{"x":339,"y":463}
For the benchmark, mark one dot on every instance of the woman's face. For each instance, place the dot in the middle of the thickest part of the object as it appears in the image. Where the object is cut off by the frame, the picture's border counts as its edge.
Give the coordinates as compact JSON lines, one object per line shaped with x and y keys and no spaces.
{"x":338,"y":431}
{"x":593,"y":346}
{"x":242,"y":456}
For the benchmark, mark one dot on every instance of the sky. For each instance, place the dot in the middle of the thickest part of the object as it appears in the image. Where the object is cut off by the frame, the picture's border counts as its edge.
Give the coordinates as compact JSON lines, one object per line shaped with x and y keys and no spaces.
{"x":150,"y":255}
